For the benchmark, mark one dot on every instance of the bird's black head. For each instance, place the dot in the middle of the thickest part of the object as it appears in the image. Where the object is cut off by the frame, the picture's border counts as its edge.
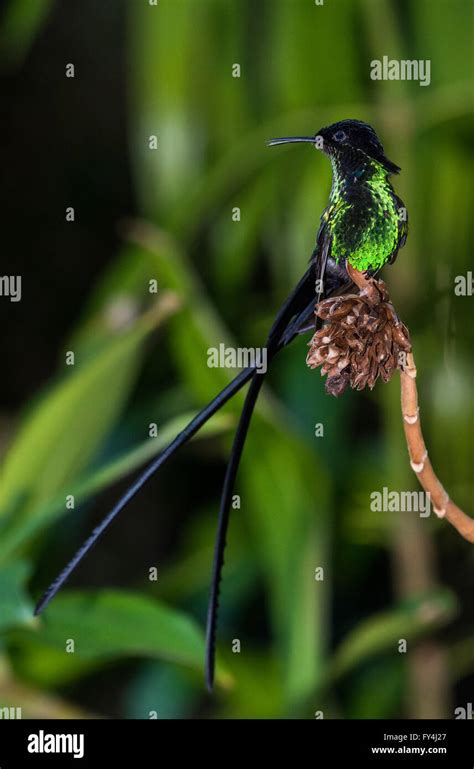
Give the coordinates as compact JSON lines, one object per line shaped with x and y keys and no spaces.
{"x":341,"y":140}
{"x":349,"y":135}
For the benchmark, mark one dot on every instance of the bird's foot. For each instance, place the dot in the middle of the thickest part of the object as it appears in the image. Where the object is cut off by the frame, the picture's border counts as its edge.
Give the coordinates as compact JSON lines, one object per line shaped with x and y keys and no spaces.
{"x":371,"y":289}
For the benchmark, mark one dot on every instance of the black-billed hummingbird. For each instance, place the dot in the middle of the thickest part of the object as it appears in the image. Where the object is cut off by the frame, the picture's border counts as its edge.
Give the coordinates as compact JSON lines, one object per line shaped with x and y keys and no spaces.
{"x":364,"y":225}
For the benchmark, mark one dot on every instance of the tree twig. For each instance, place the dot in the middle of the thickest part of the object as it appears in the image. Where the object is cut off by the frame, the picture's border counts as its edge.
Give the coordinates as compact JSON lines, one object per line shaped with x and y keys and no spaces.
{"x":443,"y":506}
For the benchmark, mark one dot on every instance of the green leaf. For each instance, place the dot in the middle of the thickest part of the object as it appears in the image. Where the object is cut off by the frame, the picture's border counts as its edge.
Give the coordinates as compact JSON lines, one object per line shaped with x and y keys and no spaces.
{"x":286,"y":493}
{"x":16,"y":608}
{"x":260,"y":686}
{"x":383,"y":631}
{"x":44,"y":666}
{"x":63,"y":432}
{"x":199,"y":325}
{"x":96,"y":481}
{"x":113,"y":624}
{"x":21,"y":23}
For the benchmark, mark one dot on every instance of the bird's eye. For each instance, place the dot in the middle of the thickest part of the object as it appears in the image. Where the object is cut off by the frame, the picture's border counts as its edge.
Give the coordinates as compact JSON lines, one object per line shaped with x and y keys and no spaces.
{"x":340,"y":136}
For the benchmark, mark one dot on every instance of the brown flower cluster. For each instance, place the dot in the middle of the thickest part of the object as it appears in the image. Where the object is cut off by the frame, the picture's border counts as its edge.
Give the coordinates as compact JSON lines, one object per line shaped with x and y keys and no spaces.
{"x":361,"y":340}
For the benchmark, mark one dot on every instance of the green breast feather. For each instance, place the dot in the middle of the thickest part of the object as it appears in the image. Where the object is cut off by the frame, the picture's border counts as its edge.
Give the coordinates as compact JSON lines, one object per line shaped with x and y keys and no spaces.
{"x":364,"y":223}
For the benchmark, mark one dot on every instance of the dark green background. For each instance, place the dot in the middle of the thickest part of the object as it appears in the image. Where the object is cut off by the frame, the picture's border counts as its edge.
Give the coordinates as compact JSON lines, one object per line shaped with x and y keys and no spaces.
{"x":306,"y":645}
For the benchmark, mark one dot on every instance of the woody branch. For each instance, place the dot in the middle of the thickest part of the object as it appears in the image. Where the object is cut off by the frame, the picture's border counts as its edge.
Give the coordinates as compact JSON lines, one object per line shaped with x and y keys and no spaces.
{"x":443,"y":506}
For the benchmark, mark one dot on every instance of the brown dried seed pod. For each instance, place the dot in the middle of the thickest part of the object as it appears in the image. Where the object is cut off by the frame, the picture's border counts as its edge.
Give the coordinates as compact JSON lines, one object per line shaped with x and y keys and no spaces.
{"x":350,"y":320}
{"x":360,"y":341}
{"x":400,"y":336}
{"x":338,"y":383}
{"x":341,"y":309}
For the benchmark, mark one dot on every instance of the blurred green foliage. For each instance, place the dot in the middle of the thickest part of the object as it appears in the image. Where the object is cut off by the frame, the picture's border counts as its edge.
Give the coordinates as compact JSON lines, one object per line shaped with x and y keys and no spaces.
{"x":309,"y":644}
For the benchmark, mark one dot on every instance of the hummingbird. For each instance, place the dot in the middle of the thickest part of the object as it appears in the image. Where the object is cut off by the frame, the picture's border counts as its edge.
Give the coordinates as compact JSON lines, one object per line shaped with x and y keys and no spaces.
{"x":363,"y":225}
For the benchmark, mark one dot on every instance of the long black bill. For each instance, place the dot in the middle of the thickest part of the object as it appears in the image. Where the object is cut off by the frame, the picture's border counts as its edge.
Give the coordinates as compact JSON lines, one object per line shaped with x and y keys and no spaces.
{"x":290,"y":140}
